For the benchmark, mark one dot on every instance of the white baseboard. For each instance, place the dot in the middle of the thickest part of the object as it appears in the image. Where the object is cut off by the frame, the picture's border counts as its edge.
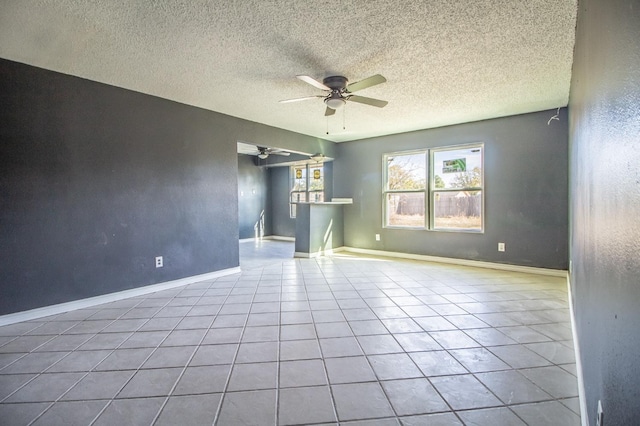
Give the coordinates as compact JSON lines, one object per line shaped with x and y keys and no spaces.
{"x":320,"y":253}
{"x":576,"y":347}
{"x":463,"y":262}
{"x":280,"y":238}
{"x":269,"y":237}
{"x":302,"y":255}
{"x":110,"y":297}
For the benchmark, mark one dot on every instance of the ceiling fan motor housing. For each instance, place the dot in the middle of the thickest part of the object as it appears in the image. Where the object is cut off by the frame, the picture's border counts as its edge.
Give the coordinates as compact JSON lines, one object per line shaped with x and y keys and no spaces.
{"x":336,"y":82}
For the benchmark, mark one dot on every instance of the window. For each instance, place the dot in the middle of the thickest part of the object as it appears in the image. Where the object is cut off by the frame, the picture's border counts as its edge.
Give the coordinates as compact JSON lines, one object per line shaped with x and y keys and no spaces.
{"x":307,"y":184}
{"x":316,"y":182}
{"x":405,"y":189}
{"x":457,"y":188}
{"x":450,"y":190}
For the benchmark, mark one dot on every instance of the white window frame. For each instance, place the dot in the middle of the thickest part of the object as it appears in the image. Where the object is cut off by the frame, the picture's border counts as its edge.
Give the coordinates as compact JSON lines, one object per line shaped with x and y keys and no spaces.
{"x":430,"y":190}
{"x":386,"y":191}
{"x":433,"y":190}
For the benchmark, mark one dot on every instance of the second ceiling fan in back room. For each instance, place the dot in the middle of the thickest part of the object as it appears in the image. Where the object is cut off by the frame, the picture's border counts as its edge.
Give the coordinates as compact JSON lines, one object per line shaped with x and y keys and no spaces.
{"x":262,"y":152}
{"x":340,"y":92}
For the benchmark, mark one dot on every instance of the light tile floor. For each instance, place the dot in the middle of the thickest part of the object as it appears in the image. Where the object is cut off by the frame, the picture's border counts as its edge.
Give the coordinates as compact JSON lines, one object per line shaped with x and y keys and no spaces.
{"x":343,"y":339}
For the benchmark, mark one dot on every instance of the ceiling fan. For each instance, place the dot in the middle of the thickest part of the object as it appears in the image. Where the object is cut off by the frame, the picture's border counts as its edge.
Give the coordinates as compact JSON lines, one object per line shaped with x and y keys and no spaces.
{"x":263,"y":152}
{"x":340,"y":92}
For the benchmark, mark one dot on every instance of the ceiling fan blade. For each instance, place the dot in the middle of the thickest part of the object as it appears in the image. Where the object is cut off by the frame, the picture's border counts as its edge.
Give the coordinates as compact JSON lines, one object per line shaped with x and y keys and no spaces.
{"x":286,"y":101}
{"x":368,"y":101}
{"x":313,"y":82}
{"x":367,"y":82}
{"x":329,"y":111}
{"x":283,"y":153}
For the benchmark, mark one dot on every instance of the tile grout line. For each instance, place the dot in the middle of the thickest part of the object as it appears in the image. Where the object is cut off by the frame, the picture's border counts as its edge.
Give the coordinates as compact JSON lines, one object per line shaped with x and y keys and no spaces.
{"x":322,"y":357}
{"x":184,"y":369}
{"x":216,"y":417}
{"x":364,"y":354}
{"x":135,"y":371}
{"x":55,"y":363}
{"x":278,"y":364}
{"x":438,"y":392}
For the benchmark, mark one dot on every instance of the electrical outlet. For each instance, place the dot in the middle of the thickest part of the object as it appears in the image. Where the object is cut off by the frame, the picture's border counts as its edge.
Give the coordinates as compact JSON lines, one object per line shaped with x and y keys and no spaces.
{"x":377,"y":237}
{"x":159,"y":263}
{"x":600,"y":416}
{"x":501,"y":247}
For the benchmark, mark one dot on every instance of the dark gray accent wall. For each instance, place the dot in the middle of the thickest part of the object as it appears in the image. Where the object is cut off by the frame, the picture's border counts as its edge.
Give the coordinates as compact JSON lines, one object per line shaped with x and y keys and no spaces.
{"x":604,"y":140}
{"x":254,"y":200}
{"x":95,"y":181}
{"x":525,"y":192}
{"x":282,"y":224}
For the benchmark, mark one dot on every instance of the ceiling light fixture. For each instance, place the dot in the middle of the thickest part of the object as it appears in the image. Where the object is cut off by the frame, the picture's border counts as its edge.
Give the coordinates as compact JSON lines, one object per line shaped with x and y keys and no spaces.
{"x":263,"y":153}
{"x":335,"y":101}
{"x":317,"y":157}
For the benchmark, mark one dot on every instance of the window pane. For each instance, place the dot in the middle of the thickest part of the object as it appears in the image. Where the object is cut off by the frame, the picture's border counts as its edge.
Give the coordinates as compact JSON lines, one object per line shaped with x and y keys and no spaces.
{"x":316,"y":178}
{"x":406,"y":171}
{"x":457,"y":210}
{"x":457,"y":168}
{"x":316,"y":196}
{"x":297,"y":197}
{"x":299,"y":178}
{"x":405,"y":209}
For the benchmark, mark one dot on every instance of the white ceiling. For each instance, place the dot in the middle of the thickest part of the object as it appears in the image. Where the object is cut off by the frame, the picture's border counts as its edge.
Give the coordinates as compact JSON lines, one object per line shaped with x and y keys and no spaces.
{"x":446,"y":62}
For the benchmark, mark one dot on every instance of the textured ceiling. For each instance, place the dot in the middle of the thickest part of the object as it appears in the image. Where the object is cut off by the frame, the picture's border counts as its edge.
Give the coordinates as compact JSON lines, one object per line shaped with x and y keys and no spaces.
{"x":446,"y":62}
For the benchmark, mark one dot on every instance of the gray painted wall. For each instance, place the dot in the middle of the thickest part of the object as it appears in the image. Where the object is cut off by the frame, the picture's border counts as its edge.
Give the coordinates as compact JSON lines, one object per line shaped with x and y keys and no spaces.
{"x":95,"y":181}
{"x":254,"y":197}
{"x":605,"y":205}
{"x":525,"y":192}
{"x":281,"y":224}
{"x":319,"y":227}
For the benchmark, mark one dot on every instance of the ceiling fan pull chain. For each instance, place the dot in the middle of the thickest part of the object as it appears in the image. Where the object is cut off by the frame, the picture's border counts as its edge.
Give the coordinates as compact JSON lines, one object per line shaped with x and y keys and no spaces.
{"x":344,"y":119}
{"x":327,"y":124}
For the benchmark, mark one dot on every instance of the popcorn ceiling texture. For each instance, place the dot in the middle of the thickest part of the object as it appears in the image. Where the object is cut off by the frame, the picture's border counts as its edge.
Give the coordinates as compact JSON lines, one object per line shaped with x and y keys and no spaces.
{"x":445,"y":62}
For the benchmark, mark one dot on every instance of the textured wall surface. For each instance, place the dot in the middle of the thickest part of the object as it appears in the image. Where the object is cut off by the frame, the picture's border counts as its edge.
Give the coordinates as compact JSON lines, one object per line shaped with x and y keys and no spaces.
{"x":525,"y":192}
{"x":605,"y":205}
{"x":254,"y":198}
{"x":95,"y":181}
{"x":281,"y":223}
{"x":319,"y":228}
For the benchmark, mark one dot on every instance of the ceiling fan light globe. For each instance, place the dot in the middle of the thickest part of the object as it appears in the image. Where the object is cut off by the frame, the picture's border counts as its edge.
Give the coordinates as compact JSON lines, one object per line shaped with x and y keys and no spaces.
{"x":263,"y":155}
{"x":335,"y":103}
